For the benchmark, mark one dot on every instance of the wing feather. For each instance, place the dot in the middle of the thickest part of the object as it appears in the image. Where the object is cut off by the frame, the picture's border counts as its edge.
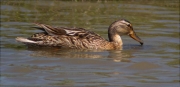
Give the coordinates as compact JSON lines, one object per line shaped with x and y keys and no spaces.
{"x":71,"y":32}
{"x":51,"y":30}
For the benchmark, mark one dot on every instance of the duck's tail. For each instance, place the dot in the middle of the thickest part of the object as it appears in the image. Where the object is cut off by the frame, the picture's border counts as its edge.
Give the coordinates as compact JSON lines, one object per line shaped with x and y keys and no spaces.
{"x":25,"y":40}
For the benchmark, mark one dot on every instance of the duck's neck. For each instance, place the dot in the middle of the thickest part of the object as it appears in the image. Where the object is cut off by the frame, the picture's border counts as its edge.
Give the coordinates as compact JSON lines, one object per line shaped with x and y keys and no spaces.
{"x":115,"y":38}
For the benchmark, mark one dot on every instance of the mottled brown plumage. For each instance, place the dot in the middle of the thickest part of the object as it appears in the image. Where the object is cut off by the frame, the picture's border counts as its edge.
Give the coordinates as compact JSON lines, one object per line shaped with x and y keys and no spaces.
{"x":80,"y":38}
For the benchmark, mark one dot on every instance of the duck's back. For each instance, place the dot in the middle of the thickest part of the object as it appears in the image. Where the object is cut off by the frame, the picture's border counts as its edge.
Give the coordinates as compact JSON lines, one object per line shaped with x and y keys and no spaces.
{"x":65,"y":38}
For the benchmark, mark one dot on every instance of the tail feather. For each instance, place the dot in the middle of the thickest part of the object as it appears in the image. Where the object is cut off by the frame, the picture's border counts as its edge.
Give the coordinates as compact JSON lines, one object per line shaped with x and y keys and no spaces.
{"x":25,"y":40}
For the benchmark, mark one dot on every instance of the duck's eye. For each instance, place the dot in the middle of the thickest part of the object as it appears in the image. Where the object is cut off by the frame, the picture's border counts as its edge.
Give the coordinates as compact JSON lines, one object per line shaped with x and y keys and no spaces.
{"x":129,"y":25}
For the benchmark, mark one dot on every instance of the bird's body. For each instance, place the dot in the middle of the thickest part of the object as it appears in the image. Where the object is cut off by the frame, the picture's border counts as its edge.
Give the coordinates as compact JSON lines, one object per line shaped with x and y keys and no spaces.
{"x":78,"y":38}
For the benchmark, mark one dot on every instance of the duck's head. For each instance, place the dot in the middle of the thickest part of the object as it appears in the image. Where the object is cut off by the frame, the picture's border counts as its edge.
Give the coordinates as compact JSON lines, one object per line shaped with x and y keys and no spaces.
{"x":122,"y":27}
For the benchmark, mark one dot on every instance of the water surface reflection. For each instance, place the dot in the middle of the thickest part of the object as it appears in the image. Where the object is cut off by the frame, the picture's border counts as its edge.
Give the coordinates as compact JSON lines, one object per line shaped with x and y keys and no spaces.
{"x":154,"y":64}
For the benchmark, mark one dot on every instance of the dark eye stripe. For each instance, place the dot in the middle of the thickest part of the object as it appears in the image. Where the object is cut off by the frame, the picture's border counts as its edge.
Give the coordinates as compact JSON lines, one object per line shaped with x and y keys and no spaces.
{"x":129,"y":25}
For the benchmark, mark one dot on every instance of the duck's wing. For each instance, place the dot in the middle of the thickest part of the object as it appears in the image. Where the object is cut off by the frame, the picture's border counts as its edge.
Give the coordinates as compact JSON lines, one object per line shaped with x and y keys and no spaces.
{"x":50,"y":30}
{"x":63,"y":37}
{"x":78,"y":32}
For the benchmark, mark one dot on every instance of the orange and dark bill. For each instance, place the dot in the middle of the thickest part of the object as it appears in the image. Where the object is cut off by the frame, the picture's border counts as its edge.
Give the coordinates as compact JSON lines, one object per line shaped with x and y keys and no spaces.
{"x":135,"y":37}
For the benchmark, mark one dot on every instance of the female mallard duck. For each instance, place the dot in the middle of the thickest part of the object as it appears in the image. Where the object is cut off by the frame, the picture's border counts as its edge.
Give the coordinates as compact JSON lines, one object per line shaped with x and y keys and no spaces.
{"x":80,"y":38}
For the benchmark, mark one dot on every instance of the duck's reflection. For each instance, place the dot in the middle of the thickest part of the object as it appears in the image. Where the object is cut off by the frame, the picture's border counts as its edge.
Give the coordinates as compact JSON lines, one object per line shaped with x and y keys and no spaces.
{"x":119,"y":56}
{"x":113,"y":55}
{"x":65,"y":53}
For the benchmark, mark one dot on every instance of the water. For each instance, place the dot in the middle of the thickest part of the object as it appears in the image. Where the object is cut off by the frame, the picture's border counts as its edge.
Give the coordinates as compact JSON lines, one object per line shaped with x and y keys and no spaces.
{"x":154,"y":64}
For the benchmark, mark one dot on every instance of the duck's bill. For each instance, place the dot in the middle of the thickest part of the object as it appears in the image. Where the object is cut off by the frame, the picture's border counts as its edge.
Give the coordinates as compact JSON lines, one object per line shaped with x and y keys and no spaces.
{"x":135,"y":37}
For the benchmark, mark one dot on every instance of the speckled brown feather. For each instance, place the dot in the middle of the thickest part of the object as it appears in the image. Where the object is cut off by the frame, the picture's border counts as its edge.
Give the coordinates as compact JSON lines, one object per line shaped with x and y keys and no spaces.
{"x":70,"y":38}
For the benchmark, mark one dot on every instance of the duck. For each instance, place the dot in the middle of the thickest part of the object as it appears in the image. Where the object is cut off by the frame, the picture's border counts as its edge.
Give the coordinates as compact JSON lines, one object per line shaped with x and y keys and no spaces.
{"x":80,"y":38}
